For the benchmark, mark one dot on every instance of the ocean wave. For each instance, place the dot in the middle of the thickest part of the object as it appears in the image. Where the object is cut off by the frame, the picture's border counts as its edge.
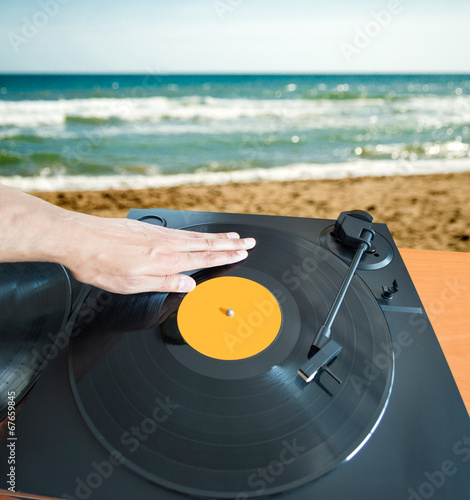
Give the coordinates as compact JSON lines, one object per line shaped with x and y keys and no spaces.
{"x":18,"y":136}
{"x":335,"y":95}
{"x":7,"y":158}
{"x":91,"y":120}
{"x":297,"y":171}
{"x":37,"y":158}
{"x":46,"y":157}
{"x":447,"y":150}
{"x":197,"y":109}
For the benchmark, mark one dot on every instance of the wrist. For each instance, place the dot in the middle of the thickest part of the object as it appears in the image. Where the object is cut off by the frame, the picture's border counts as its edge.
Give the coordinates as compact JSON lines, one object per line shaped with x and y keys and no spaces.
{"x":30,"y":228}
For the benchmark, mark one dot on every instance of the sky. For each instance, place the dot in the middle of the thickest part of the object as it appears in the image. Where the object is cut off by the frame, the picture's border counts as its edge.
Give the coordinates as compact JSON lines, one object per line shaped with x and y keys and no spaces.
{"x":234,"y":36}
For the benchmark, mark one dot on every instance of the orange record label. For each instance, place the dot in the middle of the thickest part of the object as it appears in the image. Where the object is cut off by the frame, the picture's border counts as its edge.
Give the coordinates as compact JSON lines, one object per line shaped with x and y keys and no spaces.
{"x":229,"y":318}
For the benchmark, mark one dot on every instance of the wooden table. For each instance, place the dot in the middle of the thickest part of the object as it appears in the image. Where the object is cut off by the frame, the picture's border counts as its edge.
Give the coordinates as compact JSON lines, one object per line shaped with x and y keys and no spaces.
{"x":443,"y":283}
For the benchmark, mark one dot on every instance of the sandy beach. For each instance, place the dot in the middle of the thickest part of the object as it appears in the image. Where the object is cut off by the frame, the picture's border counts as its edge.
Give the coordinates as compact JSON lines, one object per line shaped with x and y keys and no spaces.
{"x":424,"y":211}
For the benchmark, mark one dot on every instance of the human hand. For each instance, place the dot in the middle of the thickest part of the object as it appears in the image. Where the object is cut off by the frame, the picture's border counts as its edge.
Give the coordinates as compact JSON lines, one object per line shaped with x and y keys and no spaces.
{"x":128,"y":256}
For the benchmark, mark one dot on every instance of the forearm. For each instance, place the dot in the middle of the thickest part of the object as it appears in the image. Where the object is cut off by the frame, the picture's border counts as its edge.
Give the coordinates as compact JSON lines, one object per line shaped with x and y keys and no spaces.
{"x":29,"y":227}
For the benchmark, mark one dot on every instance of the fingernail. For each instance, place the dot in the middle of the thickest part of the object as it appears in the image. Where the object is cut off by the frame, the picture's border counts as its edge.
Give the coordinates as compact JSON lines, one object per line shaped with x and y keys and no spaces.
{"x":233,"y":236}
{"x":242,"y":253}
{"x":249,"y":242}
{"x":186,"y":284}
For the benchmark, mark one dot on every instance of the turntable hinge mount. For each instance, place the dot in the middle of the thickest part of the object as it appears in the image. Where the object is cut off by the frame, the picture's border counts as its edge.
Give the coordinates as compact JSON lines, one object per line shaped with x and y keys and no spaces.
{"x":352,"y":229}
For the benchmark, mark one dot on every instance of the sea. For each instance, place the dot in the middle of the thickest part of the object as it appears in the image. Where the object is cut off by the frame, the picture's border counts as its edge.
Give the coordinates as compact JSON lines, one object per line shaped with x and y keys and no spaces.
{"x":70,"y":132}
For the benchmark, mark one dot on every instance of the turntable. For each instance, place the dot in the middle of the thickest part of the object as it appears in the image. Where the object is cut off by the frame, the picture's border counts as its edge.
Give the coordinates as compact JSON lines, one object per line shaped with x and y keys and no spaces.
{"x":309,"y":370}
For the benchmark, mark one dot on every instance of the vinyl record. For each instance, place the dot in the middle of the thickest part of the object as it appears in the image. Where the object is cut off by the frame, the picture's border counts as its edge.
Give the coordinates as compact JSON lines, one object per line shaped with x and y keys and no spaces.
{"x":35,"y":301}
{"x":235,"y":428}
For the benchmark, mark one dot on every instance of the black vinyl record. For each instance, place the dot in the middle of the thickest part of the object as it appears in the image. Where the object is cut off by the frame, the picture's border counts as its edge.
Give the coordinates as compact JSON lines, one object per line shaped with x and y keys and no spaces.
{"x":240,"y":428}
{"x":35,"y":301}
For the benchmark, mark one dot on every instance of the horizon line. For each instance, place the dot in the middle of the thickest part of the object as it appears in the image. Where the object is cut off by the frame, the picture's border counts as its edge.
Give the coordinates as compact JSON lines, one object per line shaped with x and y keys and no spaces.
{"x":184,"y":73}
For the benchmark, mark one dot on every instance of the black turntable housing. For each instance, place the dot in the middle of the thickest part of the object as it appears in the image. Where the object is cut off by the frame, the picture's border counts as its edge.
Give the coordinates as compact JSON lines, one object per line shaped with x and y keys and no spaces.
{"x":394,"y":428}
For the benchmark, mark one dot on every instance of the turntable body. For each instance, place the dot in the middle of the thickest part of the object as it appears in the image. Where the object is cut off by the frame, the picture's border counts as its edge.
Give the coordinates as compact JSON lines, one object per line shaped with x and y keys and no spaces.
{"x":137,"y":404}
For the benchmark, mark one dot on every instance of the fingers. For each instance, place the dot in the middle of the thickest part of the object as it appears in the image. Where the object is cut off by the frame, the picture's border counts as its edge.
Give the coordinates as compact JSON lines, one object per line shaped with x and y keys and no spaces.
{"x":187,"y":261}
{"x":213,"y":244}
{"x":182,"y":233}
{"x":173,"y":265}
{"x":175,"y":282}
{"x":189,"y":241}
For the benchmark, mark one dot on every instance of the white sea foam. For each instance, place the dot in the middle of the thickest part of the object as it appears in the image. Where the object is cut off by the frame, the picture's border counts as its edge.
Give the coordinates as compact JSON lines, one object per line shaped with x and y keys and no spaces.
{"x":359,"y":168}
{"x":427,"y":111}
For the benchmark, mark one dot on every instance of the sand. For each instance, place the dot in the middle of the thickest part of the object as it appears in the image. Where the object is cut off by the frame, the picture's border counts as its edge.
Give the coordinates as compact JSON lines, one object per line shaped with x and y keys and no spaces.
{"x":426,"y":211}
